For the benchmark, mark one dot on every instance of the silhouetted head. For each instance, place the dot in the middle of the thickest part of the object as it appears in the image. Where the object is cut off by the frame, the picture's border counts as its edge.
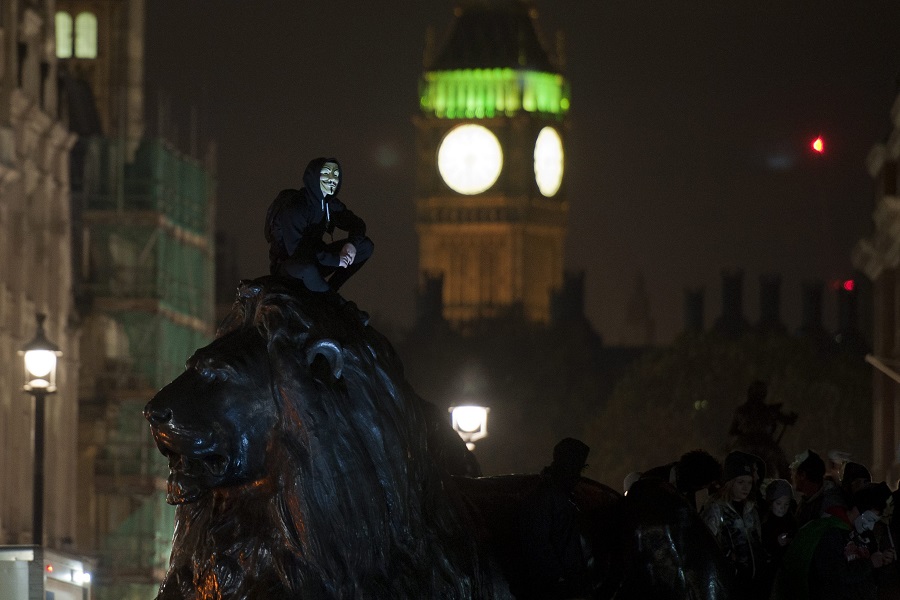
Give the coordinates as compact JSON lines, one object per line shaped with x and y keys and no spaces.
{"x":808,"y":471}
{"x":855,"y":476}
{"x":697,"y":469}
{"x":569,"y":458}
{"x":872,"y":496}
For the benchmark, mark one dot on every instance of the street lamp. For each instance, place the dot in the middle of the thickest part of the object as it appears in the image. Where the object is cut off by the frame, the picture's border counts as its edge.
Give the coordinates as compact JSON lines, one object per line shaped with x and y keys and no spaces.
{"x":470,"y":422}
{"x":40,"y":356}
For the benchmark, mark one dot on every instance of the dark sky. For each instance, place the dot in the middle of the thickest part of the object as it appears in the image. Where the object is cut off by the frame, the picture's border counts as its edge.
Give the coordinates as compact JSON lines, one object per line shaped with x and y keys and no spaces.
{"x":688,"y":151}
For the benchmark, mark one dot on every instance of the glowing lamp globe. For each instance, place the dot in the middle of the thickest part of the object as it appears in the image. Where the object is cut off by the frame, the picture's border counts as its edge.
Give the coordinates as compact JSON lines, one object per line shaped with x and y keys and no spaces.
{"x":470,"y":422}
{"x":40,"y":357}
{"x":39,"y":363}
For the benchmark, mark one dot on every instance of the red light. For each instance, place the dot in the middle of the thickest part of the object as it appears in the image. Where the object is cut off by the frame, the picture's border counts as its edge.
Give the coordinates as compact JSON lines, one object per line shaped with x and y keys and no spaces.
{"x":849,"y":285}
{"x":49,"y":568}
{"x":818,"y":145}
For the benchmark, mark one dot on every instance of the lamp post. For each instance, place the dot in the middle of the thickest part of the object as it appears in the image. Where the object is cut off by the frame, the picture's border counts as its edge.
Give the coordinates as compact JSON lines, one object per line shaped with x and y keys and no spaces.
{"x":470,"y":422}
{"x":40,"y":357}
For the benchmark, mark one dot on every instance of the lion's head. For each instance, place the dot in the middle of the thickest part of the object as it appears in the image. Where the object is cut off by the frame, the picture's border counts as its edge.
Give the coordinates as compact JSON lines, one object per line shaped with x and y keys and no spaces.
{"x":214,"y":421}
{"x":299,"y":463}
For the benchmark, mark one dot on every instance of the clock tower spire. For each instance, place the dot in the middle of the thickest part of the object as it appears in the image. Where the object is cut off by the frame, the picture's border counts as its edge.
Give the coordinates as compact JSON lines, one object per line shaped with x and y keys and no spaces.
{"x":490,"y":206}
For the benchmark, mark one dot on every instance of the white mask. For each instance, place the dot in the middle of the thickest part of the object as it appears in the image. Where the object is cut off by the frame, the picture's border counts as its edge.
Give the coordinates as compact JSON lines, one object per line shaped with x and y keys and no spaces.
{"x":329,"y":176}
{"x":866,"y":521}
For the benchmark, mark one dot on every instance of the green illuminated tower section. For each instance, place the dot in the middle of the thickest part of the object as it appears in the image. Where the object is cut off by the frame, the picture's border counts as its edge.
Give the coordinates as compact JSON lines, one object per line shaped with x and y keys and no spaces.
{"x":491,"y":207}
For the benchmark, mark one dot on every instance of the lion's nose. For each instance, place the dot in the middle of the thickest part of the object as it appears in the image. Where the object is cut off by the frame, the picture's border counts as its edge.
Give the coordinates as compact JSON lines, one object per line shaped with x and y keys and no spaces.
{"x":157,"y":416}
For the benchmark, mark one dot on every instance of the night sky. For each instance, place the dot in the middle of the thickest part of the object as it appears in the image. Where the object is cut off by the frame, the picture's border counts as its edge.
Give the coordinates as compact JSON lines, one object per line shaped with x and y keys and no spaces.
{"x":688,"y":152}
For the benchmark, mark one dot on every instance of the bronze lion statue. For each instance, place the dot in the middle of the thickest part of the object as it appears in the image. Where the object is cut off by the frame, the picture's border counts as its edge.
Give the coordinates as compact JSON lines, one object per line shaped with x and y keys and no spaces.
{"x":302,"y":465}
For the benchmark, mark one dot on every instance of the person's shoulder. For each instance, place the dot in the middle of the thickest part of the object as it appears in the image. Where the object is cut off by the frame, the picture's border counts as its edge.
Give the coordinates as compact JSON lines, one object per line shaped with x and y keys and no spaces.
{"x":713,"y":507}
{"x":292,"y":200}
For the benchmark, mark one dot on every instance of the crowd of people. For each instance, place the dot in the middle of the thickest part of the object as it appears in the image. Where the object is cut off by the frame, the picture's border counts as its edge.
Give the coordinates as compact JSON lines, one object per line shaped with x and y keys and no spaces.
{"x":811,"y":529}
{"x":829,"y":533}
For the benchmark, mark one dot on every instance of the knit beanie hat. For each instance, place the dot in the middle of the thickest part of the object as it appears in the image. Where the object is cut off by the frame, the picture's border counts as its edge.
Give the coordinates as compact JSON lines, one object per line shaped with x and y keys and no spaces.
{"x":778,"y":488}
{"x":737,"y":464}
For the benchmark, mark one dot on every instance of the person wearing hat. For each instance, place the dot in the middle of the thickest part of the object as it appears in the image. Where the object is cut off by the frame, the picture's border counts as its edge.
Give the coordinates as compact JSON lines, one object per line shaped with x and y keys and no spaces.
{"x":733,"y":520}
{"x":553,"y":563}
{"x":778,"y":524}
{"x":854,"y":477}
{"x":836,"y":557}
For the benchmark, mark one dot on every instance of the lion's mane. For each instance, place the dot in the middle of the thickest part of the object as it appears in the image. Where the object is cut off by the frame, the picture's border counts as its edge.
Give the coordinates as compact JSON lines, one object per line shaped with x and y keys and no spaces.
{"x":352,"y":504}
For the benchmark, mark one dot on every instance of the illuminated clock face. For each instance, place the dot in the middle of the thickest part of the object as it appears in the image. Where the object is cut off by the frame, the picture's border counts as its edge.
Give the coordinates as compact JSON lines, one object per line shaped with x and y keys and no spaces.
{"x":470,"y":159}
{"x":548,"y":161}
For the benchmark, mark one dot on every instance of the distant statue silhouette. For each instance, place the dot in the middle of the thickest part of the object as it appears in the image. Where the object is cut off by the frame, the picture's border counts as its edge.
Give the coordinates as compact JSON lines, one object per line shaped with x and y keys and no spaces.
{"x":754,"y":428}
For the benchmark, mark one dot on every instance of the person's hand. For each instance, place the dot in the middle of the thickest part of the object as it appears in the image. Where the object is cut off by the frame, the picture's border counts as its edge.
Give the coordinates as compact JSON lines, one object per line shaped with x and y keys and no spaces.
{"x":348,"y":253}
{"x":889,"y":556}
{"x":878,"y":559}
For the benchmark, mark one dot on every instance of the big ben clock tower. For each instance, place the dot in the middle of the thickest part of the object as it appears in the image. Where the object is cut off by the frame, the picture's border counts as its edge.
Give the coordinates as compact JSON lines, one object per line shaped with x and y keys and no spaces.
{"x":491,"y":207}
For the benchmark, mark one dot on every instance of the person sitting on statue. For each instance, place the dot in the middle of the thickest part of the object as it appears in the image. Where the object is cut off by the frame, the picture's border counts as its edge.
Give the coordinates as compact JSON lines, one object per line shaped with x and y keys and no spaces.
{"x":553,"y":557}
{"x":296,"y":222}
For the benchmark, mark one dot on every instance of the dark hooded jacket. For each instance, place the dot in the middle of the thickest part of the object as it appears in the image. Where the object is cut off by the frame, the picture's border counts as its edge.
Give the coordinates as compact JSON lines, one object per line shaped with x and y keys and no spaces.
{"x":297,"y":219}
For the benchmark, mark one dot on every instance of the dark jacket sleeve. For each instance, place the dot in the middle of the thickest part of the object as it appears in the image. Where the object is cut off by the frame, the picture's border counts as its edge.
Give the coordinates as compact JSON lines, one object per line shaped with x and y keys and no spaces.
{"x":344,"y":219}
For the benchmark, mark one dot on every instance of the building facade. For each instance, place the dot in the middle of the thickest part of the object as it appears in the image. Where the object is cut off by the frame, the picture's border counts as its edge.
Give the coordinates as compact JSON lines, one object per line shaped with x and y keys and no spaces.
{"x":144,"y":251}
{"x":35,"y":275}
{"x":878,"y":256}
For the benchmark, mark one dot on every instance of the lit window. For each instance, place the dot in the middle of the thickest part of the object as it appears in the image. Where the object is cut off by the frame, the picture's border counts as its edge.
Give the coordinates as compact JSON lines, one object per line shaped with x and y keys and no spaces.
{"x":63,"y":35}
{"x":86,"y":35}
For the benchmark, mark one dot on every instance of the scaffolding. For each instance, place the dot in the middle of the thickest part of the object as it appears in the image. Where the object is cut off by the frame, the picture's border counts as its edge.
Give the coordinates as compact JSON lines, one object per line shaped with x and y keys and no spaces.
{"x":147,"y":262}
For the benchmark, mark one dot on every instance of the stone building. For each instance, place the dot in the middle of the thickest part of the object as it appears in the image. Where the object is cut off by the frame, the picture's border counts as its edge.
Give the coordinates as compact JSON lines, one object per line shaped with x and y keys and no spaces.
{"x":35,"y":274}
{"x":143,"y":213}
{"x":878,"y":256}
